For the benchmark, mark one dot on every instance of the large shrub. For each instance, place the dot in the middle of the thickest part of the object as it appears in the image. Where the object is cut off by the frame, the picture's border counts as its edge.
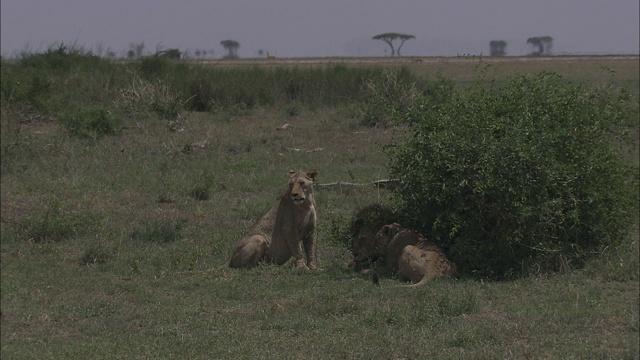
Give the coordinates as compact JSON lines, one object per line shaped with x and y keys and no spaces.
{"x":51,"y":82}
{"x":526,"y":178}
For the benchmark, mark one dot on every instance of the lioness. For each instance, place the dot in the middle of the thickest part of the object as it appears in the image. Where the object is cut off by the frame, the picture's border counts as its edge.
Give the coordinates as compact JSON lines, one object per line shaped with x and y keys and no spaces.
{"x":284,"y":230}
{"x":410,"y":254}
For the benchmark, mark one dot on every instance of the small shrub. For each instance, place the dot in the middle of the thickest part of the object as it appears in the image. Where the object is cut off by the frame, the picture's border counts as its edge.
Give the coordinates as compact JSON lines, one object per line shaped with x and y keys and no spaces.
{"x":142,"y":96}
{"x":160,"y":231}
{"x":92,"y":121}
{"x":201,"y":192}
{"x":293,"y":110}
{"x":55,"y":224}
{"x":518,"y":180}
{"x":94,"y":256}
{"x":202,"y":189}
{"x":390,"y":98}
{"x":165,"y":198}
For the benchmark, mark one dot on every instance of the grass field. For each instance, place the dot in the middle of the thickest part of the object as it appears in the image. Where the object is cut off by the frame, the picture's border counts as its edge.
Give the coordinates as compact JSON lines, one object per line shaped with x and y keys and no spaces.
{"x":623,"y":70}
{"x":117,"y":247}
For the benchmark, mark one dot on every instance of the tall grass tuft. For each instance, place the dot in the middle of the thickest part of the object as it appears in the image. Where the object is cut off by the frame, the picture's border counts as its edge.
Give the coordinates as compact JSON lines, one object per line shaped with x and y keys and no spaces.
{"x":53,"y":224}
{"x":160,"y":231}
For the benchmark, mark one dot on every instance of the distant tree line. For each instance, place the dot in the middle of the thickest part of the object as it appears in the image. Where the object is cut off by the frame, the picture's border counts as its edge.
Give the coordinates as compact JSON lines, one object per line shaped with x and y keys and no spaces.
{"x":136,"y":51}
{"x":541,"y":45}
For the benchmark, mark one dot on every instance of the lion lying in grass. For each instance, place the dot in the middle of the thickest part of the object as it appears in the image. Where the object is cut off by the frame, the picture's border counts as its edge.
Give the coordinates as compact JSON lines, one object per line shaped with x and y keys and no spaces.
{"x":406,"y":252}
{"x":285,"y":230}
{"x":363,"y":228}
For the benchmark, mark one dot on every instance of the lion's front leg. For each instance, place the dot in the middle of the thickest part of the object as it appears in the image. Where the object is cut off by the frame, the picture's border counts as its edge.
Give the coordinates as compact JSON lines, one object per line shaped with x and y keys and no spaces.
{"x":309,"y":242}
{"x":298,"y":254}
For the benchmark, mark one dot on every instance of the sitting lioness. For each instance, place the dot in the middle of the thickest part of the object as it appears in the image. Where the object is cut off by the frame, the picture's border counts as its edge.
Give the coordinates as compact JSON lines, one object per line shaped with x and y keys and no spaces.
{"x":285,"y":230}
{"x":409,"y":253}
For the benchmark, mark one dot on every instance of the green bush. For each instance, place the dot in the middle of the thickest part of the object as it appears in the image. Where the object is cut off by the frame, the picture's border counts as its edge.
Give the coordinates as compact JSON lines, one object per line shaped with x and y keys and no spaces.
{"x":60,"y":59}
{"x":522,"y":179}
{"x":91,"y":122}
{"x":31,"y":88}
{"x":51,"y":82}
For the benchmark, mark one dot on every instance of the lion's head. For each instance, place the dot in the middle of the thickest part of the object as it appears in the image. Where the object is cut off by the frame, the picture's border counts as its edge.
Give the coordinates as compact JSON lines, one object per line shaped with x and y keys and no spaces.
{"x":362,"y":229}
{"x":371,"y":246}
{"x":301,"y":186}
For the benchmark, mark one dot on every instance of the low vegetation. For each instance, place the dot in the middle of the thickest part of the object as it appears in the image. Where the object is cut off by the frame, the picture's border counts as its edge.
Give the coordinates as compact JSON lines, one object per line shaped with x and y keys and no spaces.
{"x":125,"y":187}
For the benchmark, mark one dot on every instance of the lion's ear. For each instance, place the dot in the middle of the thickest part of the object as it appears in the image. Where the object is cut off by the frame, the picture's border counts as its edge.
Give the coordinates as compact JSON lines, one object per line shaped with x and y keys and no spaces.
{"x":291,"y":173}
{"x":311,"y":174}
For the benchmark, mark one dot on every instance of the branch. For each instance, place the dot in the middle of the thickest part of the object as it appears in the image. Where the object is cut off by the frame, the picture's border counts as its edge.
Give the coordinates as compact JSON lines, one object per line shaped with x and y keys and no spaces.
{"x":381,"y":184}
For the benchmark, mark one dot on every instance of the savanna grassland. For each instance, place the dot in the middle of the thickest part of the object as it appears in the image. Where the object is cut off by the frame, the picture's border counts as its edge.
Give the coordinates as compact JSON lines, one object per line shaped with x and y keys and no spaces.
{"x":125,"y":187}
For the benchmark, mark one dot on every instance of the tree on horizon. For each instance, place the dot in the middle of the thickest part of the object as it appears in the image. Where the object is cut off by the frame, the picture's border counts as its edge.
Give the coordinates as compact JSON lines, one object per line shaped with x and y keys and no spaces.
{"x":232,"y":47}
{"x":541,"y":44}
{"x":497,"y":47}
{"x":390,"y":37}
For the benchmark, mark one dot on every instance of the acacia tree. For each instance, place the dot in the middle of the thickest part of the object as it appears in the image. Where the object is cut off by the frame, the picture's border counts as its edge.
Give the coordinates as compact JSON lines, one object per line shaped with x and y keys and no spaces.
{"x":541,"y":45}
{"x":232,"y":47}
{"x":390,"y":37}
{"x":497,"y":47}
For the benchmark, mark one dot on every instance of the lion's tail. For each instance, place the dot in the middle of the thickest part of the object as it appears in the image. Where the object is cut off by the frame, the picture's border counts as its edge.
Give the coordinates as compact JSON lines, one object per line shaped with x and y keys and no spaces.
{"x":376,"y":280}
{"x":422,"y":282}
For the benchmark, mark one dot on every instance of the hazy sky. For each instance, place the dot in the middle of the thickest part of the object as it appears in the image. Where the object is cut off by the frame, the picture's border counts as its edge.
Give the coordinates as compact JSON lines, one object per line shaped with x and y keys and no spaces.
{"x":299,"y":28}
